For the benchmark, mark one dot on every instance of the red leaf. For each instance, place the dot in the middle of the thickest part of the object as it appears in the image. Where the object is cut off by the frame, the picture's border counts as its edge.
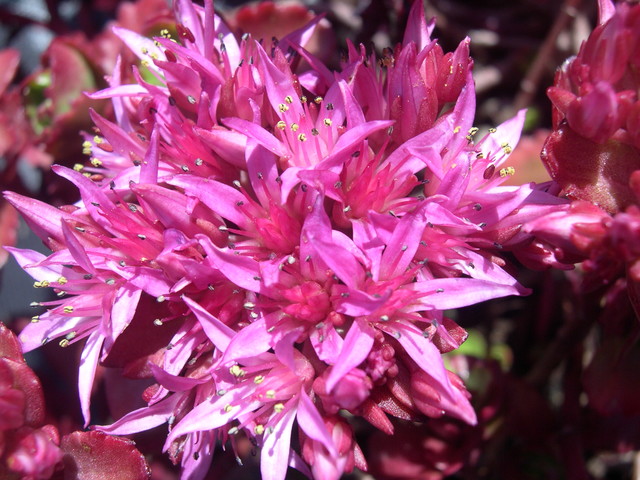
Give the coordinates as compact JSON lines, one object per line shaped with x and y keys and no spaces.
{"x":97,"y":456}
{"x":9,"y":345}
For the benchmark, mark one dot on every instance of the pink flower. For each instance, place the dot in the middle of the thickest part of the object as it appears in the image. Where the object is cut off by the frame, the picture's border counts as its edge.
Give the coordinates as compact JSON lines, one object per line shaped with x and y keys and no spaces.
{"x":277,"y":245}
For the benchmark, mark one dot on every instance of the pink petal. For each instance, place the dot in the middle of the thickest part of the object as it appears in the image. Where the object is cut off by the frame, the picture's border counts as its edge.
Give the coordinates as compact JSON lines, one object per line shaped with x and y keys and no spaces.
{"x":219,"y":197}
{"x":87,"y":372}
{"x":417,"y":29}
{"x":252,"y":340}
{"x":175,"y":383}
{"x":139,"y":44}
{"x":326,"y":343}
{"x":43,"y":219}
{"x":117,"y":91}
{"x":77,"y":250}
{"x":426,"y":356}
{"x":189,"y":17}
{"x":144,"y":418}
{"x":263,"y":172}
{"x":606,"y":9}
{"x":257,"y":133}
{"x":274,"y":458}
{"x":447,"y":293}
{"x":122,"y":312}
{"x":219,"y":334}
{"x":312,"y":424}
{"x":121,"y":142}
{"x":403,"y":244}
{"x":243,"y":271}
{"x":230,"y":145}
{"x":212,"y":414}
{"x":149,"y":167}
{"x":317,"y":231}
{"x":355,"y":349}
{"x":95,"y":200}
{"x":348,"y":141}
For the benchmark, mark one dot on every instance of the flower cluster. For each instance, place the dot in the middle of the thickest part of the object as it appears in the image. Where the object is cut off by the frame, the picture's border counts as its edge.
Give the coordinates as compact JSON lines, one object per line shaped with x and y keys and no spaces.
{"x":596,"y":144}
{"x":277,"y":243}
{"x":594,"y":152}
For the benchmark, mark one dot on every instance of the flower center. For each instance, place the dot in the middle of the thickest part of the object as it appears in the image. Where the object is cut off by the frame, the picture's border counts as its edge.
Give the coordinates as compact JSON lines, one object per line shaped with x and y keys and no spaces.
{"x":309,"y":301}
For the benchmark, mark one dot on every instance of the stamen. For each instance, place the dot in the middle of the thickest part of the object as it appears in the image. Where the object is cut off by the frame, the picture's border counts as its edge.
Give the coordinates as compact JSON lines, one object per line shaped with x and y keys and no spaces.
{"x":507,"y":171}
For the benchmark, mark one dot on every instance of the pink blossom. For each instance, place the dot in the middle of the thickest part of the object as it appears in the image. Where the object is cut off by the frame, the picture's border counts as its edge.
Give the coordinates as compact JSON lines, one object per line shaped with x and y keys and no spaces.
{"x":277,"y":246}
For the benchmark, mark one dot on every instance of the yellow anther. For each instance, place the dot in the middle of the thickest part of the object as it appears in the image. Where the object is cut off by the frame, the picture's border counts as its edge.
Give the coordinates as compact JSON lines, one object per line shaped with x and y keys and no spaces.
{"x":281,"y":125}
{"x":228,"y":408}
{"x":288,"y":99}
{"x":35,"y":319}
{"x":62,"y":280}
{"x":473,"y":130}
{"x":95,"y":162}
{"x":258,"y":380}
{"x":327,"y":122}
{"x":259,"y":429}
{"x":480,"y":155}
{"x":457,"y":129}
{"x":294,"y":127}
{"x":42,"y":284}
{"x":154,"y":55}
{"x":98,"y":140}
{"x":145,"y":63}
{"x":283,"y":108}
{"x":493,"y":130}
{"x":278,"y":407}
{"x":450,"y":69}
{"x":68,"y":309}
{"x":165,"y":33}
{"x":507,"y":171}
{"x":86,"y":144}
{"x":64,"y":343}
{"x":303,"y":99}
{"x":237,"y":371}
{"x":271,"y":394}
{"x":302,"y":137}
{"x":78,"y":167}
{"x":145,"y":50}
{"x":318,"y":100}
{"x":506,"y":148}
